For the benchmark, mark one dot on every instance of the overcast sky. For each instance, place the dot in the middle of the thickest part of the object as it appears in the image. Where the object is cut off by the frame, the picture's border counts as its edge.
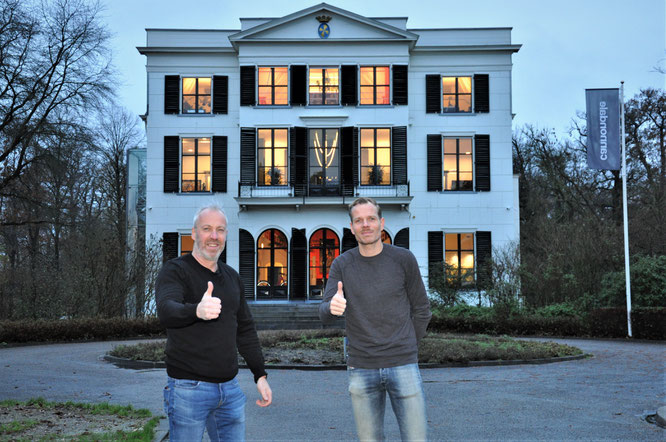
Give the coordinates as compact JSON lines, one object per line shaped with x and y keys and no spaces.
{"x":568,"y":45}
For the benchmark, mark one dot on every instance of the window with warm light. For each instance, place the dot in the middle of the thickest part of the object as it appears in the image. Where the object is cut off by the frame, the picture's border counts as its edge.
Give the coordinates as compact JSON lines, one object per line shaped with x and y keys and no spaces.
{"x":196,"y":165}
{"x":324,"y":248}
{"x":324,"y":86}
{"x":324,"y":159}
{"x":456,"y":94}
{"x":375,"y":157}
{"x":186,"y":244}
{"x":272,"y":145}
{"x":196,"y":95}
{"x":459,"y":255}
{"x":458,"y":163}
{"x":273,"y":86}
{"x":272,"y":256}
{"x":386,"y":238}
{"x":375,"y":85}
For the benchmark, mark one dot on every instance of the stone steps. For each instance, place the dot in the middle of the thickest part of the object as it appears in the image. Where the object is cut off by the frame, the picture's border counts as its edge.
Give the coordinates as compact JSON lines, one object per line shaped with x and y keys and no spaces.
{"x":289,"y":316}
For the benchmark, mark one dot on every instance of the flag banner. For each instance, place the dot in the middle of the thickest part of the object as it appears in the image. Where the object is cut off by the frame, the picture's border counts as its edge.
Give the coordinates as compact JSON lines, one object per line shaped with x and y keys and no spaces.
{"x":603,"y":128}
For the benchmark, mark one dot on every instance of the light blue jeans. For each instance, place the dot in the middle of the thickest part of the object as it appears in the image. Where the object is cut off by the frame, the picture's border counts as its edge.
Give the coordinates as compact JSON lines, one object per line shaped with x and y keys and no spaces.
{"x":193,"y":406}
{"x":368,"y":389}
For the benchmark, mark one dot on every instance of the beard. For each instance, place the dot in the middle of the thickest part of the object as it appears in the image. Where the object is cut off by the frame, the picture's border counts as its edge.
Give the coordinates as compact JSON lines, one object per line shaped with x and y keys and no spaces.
{"x":208,"y":256}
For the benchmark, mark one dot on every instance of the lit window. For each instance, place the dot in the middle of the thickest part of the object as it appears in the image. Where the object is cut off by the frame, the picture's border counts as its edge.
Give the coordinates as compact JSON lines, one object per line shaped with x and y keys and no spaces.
{"x":196,"y":95}
{"x":459,"y":256}
{"x":324,"y":248}
{"x":272,"y":255}
{"x":195,"y":175}
{"x":273,"y":83}
{"x":186,"y":244}
{"x":456,"y":94}
{"x":272,"y":157}
{"x":386,"y":238}
{"x":324,"y":86}
{"x":458,"y":165}
{"x":375,"y":85}
{"x":375,"y":157}
{"x":324,"y":161}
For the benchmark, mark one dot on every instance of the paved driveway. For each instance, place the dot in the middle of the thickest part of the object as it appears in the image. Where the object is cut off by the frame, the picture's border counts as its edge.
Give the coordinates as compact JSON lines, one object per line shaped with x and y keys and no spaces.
{"x":604,"y":397}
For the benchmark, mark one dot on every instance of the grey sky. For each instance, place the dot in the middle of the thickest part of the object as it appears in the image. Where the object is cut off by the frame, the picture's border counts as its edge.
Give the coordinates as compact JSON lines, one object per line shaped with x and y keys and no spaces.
{"x":568,"y":45}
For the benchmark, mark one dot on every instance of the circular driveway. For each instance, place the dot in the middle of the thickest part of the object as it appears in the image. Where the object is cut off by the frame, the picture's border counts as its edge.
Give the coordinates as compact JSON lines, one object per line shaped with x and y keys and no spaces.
{"x":603,"y":397}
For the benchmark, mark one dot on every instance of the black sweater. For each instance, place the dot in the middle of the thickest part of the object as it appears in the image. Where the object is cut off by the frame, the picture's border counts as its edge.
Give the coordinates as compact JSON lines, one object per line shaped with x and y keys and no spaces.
{"x":205,"y":350}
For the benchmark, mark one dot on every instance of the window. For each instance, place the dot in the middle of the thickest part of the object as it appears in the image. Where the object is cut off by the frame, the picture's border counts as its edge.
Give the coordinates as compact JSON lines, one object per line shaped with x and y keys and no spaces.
{"x":375,"y":157}
{"x":458,"y":170}
{"x":186,"y":244}
{"x":273,"y":83}
{"x":324,"y":86}
{"x":196,"y":95}
{"x":456,"y":94}
{"x":324,"y":248}
{"x":272,"y":157}
{"x":195,"y":172}
{"x":272,"y":264}
{"x":386,"y":238}
{"x":459,"y":255}
{"x":324,"y":161}
{"x":375,"y":85}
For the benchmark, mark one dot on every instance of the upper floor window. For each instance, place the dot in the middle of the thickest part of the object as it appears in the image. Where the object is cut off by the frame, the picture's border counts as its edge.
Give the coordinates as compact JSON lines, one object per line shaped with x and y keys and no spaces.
{"x":272,"y":147}
{"x":273,"y":86}
{"x":375,"y":85}
{"x":195,"y":169}
{"x":196,"y":95}
{"x":375,"y":157}
{"x":456,"y":94}
{"x":459,"y":255}
{"x":324,"y":86}
{"x":458,"y":170}
{"x":324,"y":170}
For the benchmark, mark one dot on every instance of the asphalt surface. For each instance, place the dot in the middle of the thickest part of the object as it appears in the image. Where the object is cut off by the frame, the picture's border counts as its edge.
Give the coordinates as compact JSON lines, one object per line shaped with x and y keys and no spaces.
{"x":604,"y":397}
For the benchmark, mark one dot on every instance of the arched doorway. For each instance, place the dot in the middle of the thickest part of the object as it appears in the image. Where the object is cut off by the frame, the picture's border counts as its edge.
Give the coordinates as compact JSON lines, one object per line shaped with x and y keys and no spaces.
{"x":324,"y":248}
{"x":272,"y":255}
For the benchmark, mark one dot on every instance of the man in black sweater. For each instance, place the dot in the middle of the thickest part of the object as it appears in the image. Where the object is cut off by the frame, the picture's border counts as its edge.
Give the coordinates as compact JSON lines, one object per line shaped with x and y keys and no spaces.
{"x":200,"y":301}
{"x":387,"y":312}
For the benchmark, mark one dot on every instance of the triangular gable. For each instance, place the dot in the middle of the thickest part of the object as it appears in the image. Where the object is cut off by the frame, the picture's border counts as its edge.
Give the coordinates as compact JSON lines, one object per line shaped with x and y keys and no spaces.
{"x":303,"y":25}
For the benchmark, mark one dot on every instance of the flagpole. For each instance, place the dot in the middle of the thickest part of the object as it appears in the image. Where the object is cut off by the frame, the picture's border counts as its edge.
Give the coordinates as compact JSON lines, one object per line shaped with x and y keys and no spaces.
{"x":624,"y":213}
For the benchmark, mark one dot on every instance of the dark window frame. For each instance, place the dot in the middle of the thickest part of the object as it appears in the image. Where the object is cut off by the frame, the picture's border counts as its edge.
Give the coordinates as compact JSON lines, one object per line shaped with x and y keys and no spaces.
{"x":374,"y":148}
{"x":374,"y":85}
{"x":325,"y":86}
{"x":458,"y":156}
{"x":322,"y":253}
{"x":196,"y":96}
{"x":272,"y":86}
{"x":459,"y":251}
{"x":327,"y":189}
{"x":457,"y":95}
{"x":271,"y":269}
{"x":272,"y":149}
{"x":196,"y":164}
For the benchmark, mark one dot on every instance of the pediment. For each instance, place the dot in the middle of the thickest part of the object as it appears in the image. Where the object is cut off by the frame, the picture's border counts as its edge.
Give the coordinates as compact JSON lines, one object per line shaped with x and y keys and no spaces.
{"x":304,"y":25}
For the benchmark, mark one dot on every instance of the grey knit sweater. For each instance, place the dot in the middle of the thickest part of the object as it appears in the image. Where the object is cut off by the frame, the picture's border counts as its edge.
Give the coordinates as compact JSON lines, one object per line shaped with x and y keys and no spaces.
{"x":387,"y":306}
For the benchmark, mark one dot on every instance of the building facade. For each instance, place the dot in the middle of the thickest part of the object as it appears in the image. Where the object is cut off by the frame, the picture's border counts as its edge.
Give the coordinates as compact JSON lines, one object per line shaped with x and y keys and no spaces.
{"x":287,"y":120}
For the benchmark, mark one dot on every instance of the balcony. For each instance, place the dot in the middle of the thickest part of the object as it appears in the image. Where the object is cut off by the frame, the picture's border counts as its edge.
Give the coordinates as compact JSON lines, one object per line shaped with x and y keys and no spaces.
{"x":298,"y":196}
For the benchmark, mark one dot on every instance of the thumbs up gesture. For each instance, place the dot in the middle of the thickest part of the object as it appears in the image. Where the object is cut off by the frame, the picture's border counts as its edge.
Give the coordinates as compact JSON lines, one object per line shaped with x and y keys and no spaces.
{"x":338,"y":302}
{"x":209,"y":307}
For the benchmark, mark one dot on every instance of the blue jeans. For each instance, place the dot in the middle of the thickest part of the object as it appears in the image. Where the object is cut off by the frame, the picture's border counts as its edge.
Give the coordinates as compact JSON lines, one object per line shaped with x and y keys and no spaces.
{"x":195,"y":405}
{"x":368,"y":388}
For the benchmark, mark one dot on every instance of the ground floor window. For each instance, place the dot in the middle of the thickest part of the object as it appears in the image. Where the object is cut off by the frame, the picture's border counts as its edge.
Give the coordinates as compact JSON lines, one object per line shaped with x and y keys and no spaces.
{"x":272,"y":259}
{"x":324,"y":248}
{"x":459,"y":255}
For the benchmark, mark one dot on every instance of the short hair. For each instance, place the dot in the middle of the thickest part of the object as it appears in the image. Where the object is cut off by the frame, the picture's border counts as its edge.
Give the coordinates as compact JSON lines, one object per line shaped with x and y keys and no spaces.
{"x":364,"y":200}
{"x":213,"y":206}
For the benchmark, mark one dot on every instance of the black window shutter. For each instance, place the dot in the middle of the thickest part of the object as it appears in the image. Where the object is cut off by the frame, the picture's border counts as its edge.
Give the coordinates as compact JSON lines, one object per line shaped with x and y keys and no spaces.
{"x":298,"y":86}
{"x":348,"y":240}
{"x":169,"y":245}
{"x":299,"y":264}
{"x":171,"y":94}
{"x":482,"y":162}
{"x":223,"y":256}
{"x":402,"y":238}
{"x":400,"y":84}
{"x":433,"y":94}
{"x":298,"y":160}
{"x":246,"y":261}
{"x":399,"y":150}
{"x":171,"y":163}
{"x":348,"y":85}
{"x":484,"y":248}
{"x":355,"y":154}
{"x":435,"y":249}
{"x":481,"y":93}
{"x":248,"y":155}
{"x":220,"y":94}
{"x":247,"y":87}
{"x":434,"y":162}
{"x":219,"y":177}
{"x":347,"y":150}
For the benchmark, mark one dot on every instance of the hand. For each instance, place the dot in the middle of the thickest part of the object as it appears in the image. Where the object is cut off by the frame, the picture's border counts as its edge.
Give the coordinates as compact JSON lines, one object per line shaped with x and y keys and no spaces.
{"x":265,"y":392}
{"x":338,"y":302}
{"x":209,"y":307}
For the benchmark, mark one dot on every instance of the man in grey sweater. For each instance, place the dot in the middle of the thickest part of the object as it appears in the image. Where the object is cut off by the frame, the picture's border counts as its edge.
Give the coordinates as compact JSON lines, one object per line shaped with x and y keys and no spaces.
{"x":379,"y":289}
